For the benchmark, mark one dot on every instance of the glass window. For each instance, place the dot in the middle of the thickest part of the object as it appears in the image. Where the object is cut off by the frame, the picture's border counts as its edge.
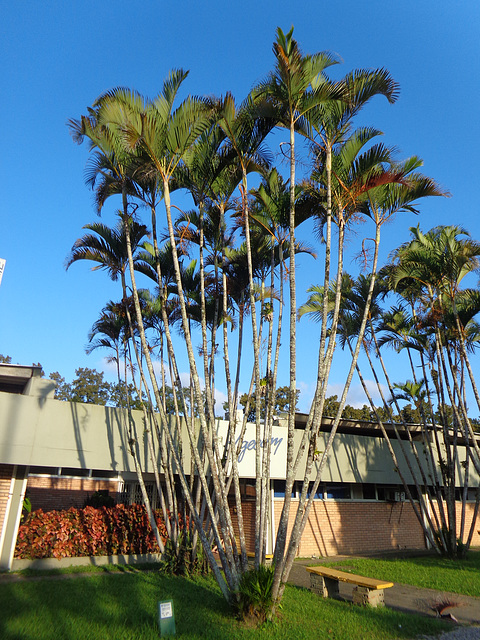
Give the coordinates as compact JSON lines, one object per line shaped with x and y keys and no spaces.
{"x":369,"y":492}
{"x":279,"y":489}
{"x":77,"y":473}
{"x":247,"y":489}
{"x":99,"y":473}
{"x":337,"y":492}
{"x":381,"y":493}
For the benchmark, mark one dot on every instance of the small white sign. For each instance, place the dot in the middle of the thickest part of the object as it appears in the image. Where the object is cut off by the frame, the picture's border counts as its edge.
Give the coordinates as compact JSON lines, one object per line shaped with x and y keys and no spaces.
{"x":2,"y":268}
{"x":166,"y":610}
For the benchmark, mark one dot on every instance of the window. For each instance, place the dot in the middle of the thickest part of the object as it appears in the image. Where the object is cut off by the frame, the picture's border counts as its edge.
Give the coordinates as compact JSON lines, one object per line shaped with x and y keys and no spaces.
{"x":75,"y":473}
{"x":391,"y":493}
{"x":369,"y":492}
{"x":132,"y":494}
{"x":337,"y":492}
{"x":99,"y":473}
{"x":247,"y":489}
{"x":279,"y":489}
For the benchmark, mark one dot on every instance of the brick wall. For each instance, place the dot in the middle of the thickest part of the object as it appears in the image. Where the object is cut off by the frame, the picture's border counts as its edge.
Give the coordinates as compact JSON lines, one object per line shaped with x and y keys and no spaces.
{"x":468,"y":521}
{"x":248,"y":511}
{"x":50,"y":493}
{"x":356,"y":527}
{"x":469,"y":511}
{"x":6,"y":471}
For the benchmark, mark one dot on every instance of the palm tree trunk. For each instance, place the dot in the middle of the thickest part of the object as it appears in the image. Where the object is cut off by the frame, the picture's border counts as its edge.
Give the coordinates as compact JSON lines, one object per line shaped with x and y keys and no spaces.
{"x":281,"y":539}
{"x":256,"y":356}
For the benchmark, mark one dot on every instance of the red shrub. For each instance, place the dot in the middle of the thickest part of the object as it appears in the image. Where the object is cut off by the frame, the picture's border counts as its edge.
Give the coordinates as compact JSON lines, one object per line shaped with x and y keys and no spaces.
{"x":123,"y":529}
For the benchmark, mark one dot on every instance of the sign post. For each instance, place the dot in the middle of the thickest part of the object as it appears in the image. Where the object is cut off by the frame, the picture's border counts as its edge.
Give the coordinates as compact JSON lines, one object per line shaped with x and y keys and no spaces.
{"x":166,"y":618}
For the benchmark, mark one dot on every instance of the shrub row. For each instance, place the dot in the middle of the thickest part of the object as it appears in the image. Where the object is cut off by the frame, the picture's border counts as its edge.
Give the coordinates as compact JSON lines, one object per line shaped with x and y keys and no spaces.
{"x":123,"y":529}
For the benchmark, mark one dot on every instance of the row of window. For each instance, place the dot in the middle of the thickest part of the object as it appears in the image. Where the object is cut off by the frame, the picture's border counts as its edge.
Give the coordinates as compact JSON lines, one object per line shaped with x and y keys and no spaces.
{"x":69,"y":472}
{"x":345,"y":491}
{"x":325,"y":491}
{"x":367,"y":491}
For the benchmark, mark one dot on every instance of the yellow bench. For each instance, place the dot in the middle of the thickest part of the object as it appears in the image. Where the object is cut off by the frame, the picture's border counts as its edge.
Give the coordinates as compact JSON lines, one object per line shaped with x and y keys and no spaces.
{"x":324,"y":581}
{"x":268,"y":557}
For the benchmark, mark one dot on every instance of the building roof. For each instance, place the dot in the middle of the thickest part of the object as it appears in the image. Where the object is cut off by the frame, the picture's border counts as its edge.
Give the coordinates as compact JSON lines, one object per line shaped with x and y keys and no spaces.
{"x":15,"y":377}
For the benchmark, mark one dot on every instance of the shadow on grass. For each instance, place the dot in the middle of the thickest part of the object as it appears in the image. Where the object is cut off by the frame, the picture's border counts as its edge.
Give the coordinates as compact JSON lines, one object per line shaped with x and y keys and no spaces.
{"x":121,"y":605}
{"x":124,"y":606}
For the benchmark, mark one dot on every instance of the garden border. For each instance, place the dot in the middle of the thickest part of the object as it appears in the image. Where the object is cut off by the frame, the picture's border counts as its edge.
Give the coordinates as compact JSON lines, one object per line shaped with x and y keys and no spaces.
{"x":84,"y":561}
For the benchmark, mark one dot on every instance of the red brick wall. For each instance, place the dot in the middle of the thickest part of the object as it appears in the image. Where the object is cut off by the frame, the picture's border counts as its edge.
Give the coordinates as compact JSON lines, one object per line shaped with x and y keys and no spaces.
{"x":50,"y":494}
{"x":356,"y":527}
{"x":6,"y":471}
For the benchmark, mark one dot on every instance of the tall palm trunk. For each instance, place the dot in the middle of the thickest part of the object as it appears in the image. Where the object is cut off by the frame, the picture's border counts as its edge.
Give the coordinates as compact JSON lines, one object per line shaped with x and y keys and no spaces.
{"x":256,"y":356}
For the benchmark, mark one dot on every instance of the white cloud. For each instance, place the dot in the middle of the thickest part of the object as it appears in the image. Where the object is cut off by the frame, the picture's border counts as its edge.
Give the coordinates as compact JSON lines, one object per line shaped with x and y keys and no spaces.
{"x":220,"y":398}
{"x":356,"y":395}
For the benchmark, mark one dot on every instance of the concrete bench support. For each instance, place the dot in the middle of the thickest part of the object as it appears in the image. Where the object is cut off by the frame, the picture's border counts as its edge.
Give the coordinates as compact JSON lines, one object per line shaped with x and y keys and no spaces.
{"x":324,"y":587}
{"x":373,"y":597}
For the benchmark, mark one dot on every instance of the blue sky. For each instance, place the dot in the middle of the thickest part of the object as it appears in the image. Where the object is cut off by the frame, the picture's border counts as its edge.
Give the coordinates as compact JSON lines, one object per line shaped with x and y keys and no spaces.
{"x":57,"y":57}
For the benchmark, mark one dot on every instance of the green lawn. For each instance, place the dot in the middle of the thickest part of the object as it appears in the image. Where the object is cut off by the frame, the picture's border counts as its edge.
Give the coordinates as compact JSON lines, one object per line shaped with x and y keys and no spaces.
{"x":124,"y":606}
{"x":432,"y":572}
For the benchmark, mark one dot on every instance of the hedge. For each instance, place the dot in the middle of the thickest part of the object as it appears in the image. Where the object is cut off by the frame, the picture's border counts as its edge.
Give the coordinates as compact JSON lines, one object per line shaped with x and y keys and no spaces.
{"x":123,"y":529}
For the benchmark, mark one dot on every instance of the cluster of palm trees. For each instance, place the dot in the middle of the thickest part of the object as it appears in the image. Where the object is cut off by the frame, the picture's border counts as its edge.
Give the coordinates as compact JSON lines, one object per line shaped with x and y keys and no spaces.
{"x":232,"y":258}
{"x":432,"y":320}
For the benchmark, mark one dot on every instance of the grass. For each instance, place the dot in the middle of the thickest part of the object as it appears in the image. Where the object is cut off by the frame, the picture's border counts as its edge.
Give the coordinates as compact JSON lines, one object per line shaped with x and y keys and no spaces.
{"x":431,"y":572}
{"x":124,"y":605}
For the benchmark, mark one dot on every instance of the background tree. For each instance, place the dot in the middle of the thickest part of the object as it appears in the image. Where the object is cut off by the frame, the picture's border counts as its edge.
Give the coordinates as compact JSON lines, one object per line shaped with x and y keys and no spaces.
{"x":281,"y":404}
{"x":63,"y":390}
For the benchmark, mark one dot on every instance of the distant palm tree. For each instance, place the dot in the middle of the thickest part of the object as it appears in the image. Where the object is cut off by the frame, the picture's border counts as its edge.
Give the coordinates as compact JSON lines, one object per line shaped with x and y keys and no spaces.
{"x":109,"y":332}
{"x":436,"y":262}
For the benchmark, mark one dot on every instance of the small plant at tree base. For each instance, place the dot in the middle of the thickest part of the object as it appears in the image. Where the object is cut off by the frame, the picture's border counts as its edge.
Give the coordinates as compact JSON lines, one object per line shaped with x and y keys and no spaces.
{"x":460,"y":550}
{"x":183,"y":561}
{"x":254,"y":596}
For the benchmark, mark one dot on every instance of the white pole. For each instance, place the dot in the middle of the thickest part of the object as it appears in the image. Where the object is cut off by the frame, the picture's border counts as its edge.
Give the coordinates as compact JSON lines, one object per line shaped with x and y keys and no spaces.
{"x":2,"y":268}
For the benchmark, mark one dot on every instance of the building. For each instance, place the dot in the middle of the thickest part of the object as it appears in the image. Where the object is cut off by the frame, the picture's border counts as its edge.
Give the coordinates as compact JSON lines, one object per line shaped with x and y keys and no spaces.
{"x":58,"y":453}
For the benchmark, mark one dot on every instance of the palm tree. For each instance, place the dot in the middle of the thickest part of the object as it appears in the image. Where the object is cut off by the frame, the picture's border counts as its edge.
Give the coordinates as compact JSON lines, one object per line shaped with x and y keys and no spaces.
{"x":106,"y":246}
{"x":167,"y":138}
{"x":380,"y":193}
{"x":295,"y":86}
{"x":119,"y":161}
{"x":433,"y":265}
